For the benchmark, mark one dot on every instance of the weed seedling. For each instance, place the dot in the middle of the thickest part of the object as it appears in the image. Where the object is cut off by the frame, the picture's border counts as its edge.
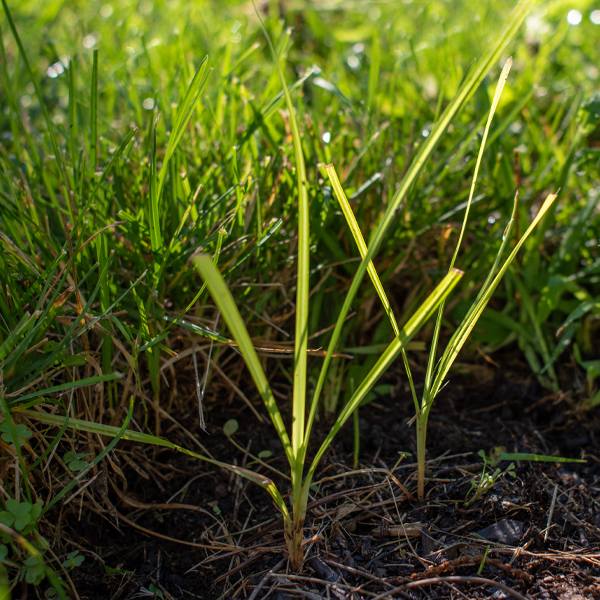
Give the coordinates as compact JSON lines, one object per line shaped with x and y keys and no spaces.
{"x":484,"y":482}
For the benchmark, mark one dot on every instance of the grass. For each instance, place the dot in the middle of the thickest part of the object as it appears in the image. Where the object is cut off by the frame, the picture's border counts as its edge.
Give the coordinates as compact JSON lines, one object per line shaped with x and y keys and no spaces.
{"x":134,"y":137}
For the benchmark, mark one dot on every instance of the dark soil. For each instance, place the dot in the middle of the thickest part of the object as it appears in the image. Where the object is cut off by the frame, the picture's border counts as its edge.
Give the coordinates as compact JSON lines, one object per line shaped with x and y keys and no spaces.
{"x":164,"y":523}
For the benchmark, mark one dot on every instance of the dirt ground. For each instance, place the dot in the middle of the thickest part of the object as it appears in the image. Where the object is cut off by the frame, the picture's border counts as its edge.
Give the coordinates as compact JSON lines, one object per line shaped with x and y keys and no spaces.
{"x":160,"y":524}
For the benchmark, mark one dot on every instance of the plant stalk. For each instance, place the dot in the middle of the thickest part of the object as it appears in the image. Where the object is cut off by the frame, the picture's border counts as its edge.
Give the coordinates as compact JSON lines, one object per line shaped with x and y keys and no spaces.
{"x":421,"y":447}
{"x":294,"y":526}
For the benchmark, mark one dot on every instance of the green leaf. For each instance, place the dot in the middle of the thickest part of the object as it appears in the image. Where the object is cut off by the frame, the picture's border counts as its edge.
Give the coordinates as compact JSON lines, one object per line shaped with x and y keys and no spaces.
{"x":74,"y":462}
{"x":74,"y":559}
{"x":538,"y":457}
{"x":23,"y":434}
{"x":7,"y":518}
{"x":78,"y":465}
{"x":22,"y":521}
{"x":74,"y":360}
{"x":231,"y":315}
{"x":230,"y":427}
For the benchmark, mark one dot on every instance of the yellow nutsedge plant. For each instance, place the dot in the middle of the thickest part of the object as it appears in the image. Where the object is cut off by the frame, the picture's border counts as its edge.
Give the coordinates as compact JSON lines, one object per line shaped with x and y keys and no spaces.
{"x":436,"y":372}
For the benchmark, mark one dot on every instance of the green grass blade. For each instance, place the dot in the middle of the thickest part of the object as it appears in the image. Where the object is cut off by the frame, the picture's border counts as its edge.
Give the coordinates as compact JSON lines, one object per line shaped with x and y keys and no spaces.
{"x":303,"y":262}
{"x":467,"y":89}
{"x":374,"y":69}
{"x":153,"y":208}
{"x":184,"y":114}
{"x":94,"y":112}
{"x":424,"y":312}
{"x":116,"y":156}
{"x":223,"y":299}
{"x":21,"y":327}
{"x":464,"y":330}
{"x":537,"y":457}
{"x":72,"y":116}
{"x":145,"y":438}
{"x":429,"y":375}
{"x":69,"y":386}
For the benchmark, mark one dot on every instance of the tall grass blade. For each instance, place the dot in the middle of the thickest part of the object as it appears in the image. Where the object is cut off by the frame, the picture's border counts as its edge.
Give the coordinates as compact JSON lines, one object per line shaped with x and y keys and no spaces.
{"x":427,"y":398}
{"x":145,"y":438}
{"x":302,"y":290}
{"x":362,"y":247}
{"x":462,"y":333}
{"x":184,"y":114}
{"x":466,"y":90}
{"x":223,"y":299}
{"x":424,"y":312}
{"x":360,"y":242}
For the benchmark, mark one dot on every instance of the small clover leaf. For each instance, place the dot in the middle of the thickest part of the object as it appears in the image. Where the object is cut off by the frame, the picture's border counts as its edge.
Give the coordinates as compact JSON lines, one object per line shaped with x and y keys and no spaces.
{"x":33,"y":570}
{"x":7,"y":518}
{"x":23,"y":434}
{"x":74,"y":559}
{"x":3,"y":552}
{"x":74,"y":462}
{"x":22,"y":516}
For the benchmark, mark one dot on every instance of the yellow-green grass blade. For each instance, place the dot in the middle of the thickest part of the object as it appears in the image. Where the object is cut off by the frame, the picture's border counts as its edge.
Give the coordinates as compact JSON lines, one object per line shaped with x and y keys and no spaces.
{"x":178,"y":320}
{"x":429,"y":375}
{"x":362,"y":247}
{"x":495,"y":101}
{"x":360,"y":242}
{"x":145,"y":438}
{"x":537,"y":457}
{"x":67,"y":386}
{"x":464,"y":330}
{"x":472,"y":80}
{"x":184,"y":114}
{"x":423,"y":313}
{"x":302,"y":289}
{"x":224,"y":300}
